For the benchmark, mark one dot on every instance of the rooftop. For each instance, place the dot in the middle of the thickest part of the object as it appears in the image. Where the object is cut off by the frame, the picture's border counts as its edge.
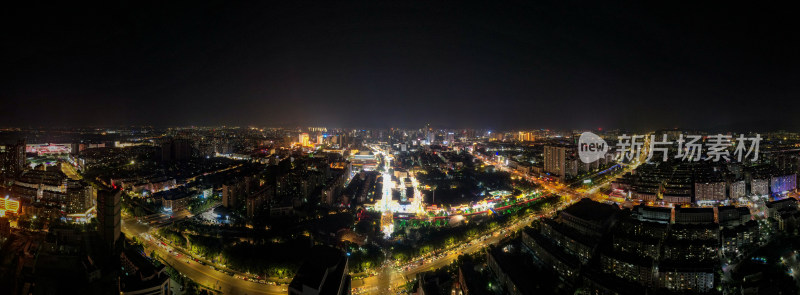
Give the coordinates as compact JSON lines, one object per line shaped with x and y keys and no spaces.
{"x":694,"y":210}
{"x":590,"y":210}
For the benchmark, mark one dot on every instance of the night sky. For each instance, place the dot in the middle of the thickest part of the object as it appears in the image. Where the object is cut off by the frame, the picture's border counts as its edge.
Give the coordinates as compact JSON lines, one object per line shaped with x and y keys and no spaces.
{"x":401,"y":64}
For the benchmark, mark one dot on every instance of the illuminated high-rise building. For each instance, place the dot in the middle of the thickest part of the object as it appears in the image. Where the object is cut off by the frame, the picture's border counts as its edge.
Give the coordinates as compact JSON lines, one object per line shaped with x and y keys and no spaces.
{"x":450,"y":138}
{"x":737,"y":189}
{"x":12,"y":159}
{"x":524,"y":136}
{"x":555,"y":160}
{"x":303,"y":139}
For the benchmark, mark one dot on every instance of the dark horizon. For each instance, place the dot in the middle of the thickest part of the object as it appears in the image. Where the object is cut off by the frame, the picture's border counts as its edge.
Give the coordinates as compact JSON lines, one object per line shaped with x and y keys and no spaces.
{"x":511,"y":65}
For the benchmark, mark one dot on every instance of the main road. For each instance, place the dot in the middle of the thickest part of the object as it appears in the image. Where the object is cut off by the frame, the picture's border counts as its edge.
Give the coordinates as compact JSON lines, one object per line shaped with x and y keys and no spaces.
{"x":391,"y":278}
{"x":205,"y":275}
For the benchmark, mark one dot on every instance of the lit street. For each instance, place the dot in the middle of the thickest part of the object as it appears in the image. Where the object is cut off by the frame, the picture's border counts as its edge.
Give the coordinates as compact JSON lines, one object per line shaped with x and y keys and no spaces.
{"x":204,"y":275}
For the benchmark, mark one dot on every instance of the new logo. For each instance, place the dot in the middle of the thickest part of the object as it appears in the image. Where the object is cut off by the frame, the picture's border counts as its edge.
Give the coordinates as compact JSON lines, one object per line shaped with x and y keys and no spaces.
{"x":591,"y":147}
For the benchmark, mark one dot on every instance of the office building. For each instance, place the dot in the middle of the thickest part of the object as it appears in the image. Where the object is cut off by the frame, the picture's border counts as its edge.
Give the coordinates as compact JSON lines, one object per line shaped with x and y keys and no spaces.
{"x":12,"y":159}
{"x":737,"y":189}
{"x":652,"y":214}
{"x":176,"y":150}
{"x":52,"y":191}
{"x":709,"y":191}
{"x":303,"y":139}
{"x":555,"y":160}
{"x":108,"y":216}
{"x":759,"y":187}
{"x":730,"y":216}
{"x":694,"y":215}
{"x":524,"y":136}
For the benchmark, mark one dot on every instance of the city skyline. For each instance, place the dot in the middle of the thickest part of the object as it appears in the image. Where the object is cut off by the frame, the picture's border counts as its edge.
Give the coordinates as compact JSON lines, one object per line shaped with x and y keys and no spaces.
{"x":399,"y":147}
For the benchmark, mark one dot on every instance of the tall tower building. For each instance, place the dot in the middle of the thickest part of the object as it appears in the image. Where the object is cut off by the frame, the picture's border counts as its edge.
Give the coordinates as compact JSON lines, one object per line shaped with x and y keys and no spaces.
{"x":451,"y":138}
{"x":108,"y":216}
{"x":524,"y":136}
{"x":182,"y":149}
{"x":12,"y":159}
{"x":230,"y":192}
{"x":430,"y":136}
{"x":176,"y":150}
{"x":343,"y":140}
{"x":555,"y":160}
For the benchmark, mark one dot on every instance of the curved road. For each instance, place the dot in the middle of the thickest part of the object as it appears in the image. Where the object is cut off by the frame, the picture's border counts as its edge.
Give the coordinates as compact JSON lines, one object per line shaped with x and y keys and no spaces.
{"x":204,"y":275}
